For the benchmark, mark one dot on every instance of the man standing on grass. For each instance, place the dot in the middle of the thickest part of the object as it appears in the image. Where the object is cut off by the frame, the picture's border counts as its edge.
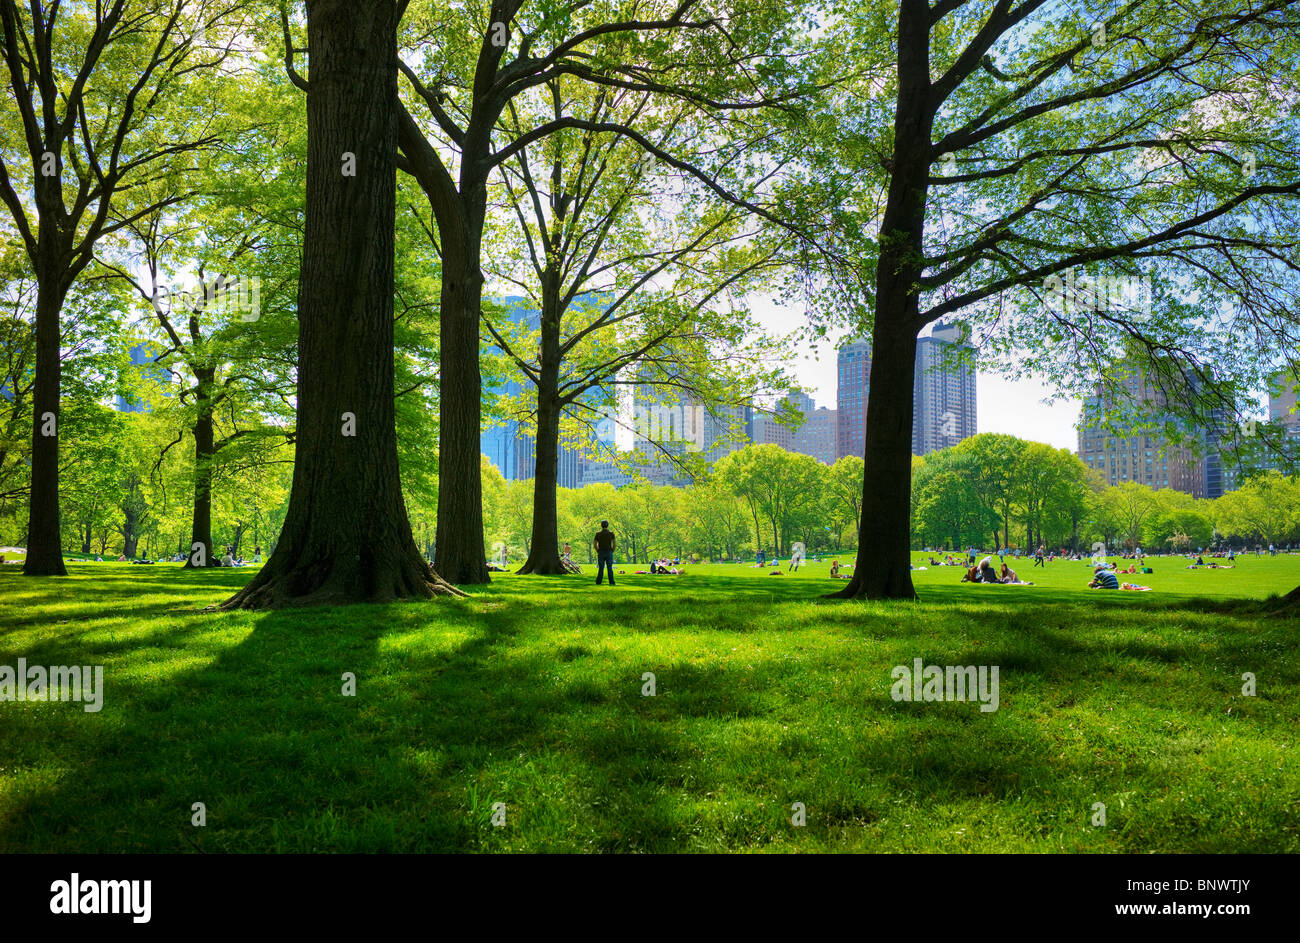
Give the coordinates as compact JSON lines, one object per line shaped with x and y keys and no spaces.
{"x":604,"y":543}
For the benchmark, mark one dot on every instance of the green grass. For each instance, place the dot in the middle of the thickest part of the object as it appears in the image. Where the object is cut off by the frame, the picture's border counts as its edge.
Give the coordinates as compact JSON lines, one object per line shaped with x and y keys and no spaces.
{"x":529,"y":693}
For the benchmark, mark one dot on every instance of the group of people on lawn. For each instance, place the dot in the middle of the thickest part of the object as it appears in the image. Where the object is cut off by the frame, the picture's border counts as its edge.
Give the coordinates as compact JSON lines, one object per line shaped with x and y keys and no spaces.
{"x":983,"y":572}
{"x":1103,"y":576}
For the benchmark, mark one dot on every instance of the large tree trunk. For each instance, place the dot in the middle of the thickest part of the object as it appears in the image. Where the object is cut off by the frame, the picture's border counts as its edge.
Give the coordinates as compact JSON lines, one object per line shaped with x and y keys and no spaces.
{"x":544,"y":554}
{"x":346,"y":536}
{"x":130,"y":536}
{"x":459,"y":536}
{"x":883,"y":566}
{"x":44,"y":541}
{"x":204,"y":450}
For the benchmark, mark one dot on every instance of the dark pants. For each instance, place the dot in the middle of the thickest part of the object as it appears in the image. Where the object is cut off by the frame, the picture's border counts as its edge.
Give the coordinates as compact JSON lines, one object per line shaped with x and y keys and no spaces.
{"x":604,"y":561}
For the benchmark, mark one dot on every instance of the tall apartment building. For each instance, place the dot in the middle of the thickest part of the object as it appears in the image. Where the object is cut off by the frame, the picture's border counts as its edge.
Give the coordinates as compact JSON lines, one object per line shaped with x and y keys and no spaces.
{"x":663,"y":429}
{"x":1282,"y":455}
{"x":816,"y":435}
{"x":765,"y":430}
{"x":1282,"y":403}
{"x":943,"y":392}
{"x":1147,"y":458}
{"x":944,"y":408}
{"x":1221,"y":467}
{"x":853,"y":373}
{"x":727,"y":429}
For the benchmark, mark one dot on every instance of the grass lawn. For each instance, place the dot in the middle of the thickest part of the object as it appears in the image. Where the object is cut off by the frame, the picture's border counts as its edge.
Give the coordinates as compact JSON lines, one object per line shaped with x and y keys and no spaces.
{"x":530,"y":694}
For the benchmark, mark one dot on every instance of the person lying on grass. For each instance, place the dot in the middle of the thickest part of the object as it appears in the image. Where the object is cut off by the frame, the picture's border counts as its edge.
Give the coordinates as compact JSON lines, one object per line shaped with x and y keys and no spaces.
{"x":661,"y":568}
{"x":1106,"y":579}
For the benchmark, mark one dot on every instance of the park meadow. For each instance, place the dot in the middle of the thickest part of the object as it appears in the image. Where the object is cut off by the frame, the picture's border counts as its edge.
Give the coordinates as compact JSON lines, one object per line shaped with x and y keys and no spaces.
{"x":527,"y":701}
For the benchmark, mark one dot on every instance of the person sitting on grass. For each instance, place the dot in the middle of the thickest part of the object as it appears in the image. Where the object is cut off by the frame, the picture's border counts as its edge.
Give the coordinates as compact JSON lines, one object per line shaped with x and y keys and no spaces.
{"x":1009,"y":577}
{"x":566,"y":560}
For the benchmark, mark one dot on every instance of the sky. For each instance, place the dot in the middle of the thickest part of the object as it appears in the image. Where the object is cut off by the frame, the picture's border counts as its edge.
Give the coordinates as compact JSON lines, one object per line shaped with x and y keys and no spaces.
{"x":1016,"y":407}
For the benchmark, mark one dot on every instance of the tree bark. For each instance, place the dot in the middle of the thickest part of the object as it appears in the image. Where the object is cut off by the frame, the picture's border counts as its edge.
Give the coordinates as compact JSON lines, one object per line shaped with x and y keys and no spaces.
{"x":883,"y":565}
{"x":44,"y":540}
{"x":459,"y":535}
{"x":544,"y":554}
{"x":346,"y":536}
{"x":204,"y":451}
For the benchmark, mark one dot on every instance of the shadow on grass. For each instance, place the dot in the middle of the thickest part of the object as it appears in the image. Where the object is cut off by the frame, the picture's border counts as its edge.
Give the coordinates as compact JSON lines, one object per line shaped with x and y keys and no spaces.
{"x":262,"y":735}
{"x":460,"y":705}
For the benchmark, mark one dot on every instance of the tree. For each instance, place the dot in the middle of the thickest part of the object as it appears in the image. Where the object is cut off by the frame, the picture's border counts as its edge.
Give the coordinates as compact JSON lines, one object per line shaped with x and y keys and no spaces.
{"x":217,"y":277}
{"x":346,"y":535}
{"x":1047,"y":479}
{"x":1157,"y":137}
{"x":1131,"y":505}
{"x":599,"y":226}
{"x":948,"y":509}
{"x":1265,"y":508}
{"x":212,"y":343}
{"x":725,"y":64}
{"x":104,"y":120}
{"x":845,"y":481}
{"x":783,"y":487}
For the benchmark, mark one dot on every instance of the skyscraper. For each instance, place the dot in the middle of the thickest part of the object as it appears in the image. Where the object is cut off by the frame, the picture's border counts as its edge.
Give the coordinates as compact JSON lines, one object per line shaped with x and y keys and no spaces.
{"x":943,"y":393}
{"x":816,"y":435}
{"x":765,"y":430}
{"x":1282,"y":403}
{"x":1220,"y":466}
{"x":853,"y":372}
{"x":1146,"y":457}
{"x":725,"y":424}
